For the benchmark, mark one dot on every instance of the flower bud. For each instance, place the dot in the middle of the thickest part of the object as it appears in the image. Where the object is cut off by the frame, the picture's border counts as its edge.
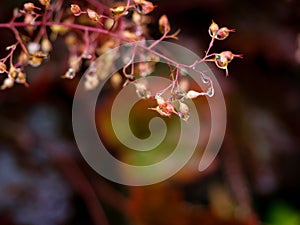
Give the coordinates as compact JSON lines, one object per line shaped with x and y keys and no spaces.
{"x":223,"y":33}
{"x":213,"y":28}
{"x":75,"y":9}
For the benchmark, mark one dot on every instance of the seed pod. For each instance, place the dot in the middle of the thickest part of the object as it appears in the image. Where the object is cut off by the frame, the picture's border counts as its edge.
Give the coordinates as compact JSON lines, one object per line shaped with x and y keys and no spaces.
{"x":213,"y":28}
{"x":75,"y":9}
{"x":223,"y":33}
{"x":229,"y":55}
{"x":221,"y":61}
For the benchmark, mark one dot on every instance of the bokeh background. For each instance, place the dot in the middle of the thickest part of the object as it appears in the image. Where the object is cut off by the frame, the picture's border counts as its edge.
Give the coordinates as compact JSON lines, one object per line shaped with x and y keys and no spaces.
{"x":255,"y":177}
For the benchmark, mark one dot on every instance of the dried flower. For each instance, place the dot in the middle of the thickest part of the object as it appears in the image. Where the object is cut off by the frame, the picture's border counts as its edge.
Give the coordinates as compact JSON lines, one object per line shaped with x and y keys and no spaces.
{"x":164,"y":25}
{"x":2,"y":67}
{"x":75,"y":9}
{"x":222,"y":59}
{"x":229,"y":55}
{"x":213,"y":29}
{"x":223,"y":33}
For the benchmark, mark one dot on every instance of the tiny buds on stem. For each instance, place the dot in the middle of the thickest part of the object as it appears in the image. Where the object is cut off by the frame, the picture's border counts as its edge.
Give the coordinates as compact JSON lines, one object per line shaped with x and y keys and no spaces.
{"x":164,"y":25}
{"x":2,"y":67}
{"x":223,"y":33}
{"x":118,"y":11}
{"x":75,"y":9}
{"x":93,"y":15}
{"x":213,"y":29}
{"x":143,"y":7}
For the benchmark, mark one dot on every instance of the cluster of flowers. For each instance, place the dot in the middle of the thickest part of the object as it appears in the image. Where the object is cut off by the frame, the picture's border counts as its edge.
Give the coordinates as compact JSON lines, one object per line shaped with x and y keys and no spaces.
{"x":88,"y":33}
